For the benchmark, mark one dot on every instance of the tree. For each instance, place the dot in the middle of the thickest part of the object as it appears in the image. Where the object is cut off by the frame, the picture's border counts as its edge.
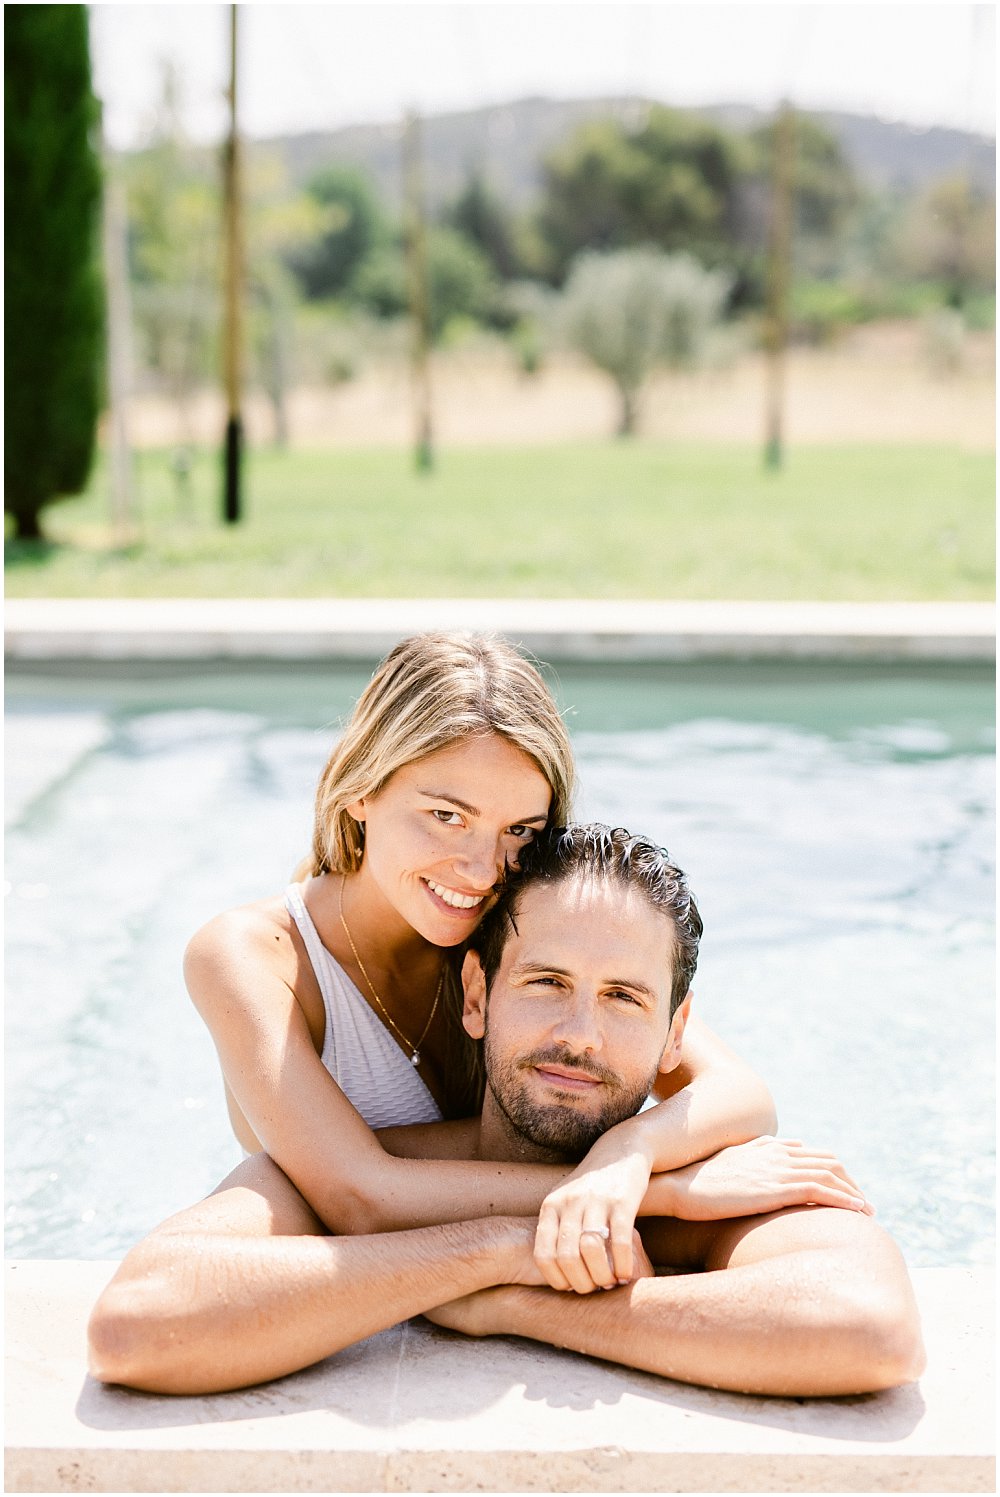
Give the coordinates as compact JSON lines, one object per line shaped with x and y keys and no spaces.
{"x":479,"y":214}
{"x":53,"y":300}
{"x":670,"y":183}
{"x":825,"y":192}
{"x":353,"y":230}
{"x":174,"y":254}
{"x":634,"y":308}
{"x":949,"y":235}
{"x":280,"y":224}
{"x":459,"y":276}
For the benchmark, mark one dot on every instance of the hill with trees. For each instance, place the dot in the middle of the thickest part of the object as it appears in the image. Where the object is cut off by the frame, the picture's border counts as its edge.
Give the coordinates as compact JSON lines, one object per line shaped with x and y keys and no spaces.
{"x":508,"y":142}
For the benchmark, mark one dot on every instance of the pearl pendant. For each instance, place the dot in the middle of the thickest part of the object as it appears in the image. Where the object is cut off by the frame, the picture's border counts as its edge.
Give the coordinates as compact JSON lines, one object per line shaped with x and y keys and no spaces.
{"x":415,"y":1058}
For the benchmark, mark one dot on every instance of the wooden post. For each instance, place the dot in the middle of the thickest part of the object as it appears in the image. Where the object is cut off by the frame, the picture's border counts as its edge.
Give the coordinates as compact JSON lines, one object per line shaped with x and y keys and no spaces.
{"x":233,"y":293}
{"x":119,"y":338}
{"x":778,"y":282}
{"x":416,"y":265}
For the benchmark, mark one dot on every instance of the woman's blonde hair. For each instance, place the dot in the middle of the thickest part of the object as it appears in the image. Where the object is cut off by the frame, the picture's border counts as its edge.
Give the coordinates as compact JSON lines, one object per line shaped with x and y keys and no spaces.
{"x":431,"y":691}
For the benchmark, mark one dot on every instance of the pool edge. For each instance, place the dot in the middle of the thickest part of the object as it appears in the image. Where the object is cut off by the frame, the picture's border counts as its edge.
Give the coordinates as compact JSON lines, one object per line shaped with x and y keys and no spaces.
{"x":557,"y":630}
{"x":419,"y":1409}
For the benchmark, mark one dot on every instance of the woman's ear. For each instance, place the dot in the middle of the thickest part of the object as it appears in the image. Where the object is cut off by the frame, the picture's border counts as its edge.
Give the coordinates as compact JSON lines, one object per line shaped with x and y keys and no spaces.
{"x":474,"y":983}
{"x":675,"y":1035}
{"x":358,"y":810}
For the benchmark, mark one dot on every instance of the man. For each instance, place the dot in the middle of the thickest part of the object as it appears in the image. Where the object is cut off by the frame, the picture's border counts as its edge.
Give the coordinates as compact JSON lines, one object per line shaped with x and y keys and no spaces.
{"x":580,"y":990}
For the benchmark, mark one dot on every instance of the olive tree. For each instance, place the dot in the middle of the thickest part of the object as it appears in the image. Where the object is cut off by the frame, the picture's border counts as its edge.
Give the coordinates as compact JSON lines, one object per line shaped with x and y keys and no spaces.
{"x":635,"y":308}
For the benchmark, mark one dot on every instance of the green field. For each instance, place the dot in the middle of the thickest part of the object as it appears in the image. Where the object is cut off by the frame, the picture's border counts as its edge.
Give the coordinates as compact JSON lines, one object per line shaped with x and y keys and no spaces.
{"x":609,"y":520}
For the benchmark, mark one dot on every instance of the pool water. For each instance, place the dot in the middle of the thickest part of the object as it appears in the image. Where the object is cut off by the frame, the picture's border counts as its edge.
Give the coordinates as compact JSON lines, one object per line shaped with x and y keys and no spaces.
{"x":836,"y":824}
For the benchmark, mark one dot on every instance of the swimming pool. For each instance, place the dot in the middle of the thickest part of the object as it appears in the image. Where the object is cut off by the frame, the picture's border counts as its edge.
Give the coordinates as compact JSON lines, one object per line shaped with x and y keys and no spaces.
{"x":836,"y":823}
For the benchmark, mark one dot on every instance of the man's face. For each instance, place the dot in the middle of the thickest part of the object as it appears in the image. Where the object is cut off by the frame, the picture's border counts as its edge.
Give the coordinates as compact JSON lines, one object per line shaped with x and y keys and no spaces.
{"x":577,"y":1025}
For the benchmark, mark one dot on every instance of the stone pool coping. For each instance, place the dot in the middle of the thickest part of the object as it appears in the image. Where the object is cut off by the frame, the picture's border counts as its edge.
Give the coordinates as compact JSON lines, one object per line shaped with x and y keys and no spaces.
{"x":555,"y":629}
{"x":419,"y":1409}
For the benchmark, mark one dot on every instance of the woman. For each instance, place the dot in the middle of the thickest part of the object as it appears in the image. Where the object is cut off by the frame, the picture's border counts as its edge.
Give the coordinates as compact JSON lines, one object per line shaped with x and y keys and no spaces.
{"x":336,"y":1008}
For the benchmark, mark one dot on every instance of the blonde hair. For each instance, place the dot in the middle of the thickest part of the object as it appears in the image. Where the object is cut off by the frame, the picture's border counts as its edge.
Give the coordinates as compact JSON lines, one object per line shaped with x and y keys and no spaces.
{"x":431,"y":691}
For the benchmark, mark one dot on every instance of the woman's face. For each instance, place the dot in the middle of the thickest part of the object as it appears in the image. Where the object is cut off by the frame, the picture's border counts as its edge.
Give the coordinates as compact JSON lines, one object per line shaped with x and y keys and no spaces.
{"x":440,"y":832}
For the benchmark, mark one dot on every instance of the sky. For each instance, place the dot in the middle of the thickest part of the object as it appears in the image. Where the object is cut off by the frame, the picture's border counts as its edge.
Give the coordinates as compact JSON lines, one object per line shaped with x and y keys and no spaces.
{"x":315,"y":67}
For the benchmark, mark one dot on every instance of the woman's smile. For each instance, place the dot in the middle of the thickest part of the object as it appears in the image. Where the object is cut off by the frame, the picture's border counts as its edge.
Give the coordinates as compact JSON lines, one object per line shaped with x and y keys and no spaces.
{"x":457,"y":902}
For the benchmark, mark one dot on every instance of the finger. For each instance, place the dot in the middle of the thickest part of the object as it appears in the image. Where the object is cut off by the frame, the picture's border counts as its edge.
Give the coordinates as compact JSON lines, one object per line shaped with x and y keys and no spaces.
{"x":823,"y":1158}
{"x":827,"y":1163}
{"x":840,"y":1180}
{"x":594,"y":1250}
{"x":819,"y":1194}
{"x":569,"y":1249}
{"x":839,"y":1172}
{"x":620,"y":1246}
{"x":545,"y":1251}
{"x":566,"y":1259}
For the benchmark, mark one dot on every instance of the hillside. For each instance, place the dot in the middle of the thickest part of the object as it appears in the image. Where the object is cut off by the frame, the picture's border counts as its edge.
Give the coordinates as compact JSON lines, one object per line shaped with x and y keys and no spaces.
{"x":507,"y":143}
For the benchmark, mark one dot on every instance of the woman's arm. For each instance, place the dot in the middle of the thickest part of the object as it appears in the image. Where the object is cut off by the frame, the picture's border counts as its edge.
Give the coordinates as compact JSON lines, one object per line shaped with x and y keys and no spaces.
{"x":711,"y":1100}
{"x":242,"y":970}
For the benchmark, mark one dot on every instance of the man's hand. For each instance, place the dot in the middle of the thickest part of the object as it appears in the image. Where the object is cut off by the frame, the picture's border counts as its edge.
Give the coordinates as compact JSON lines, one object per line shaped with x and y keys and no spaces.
{"x":751,"y":1179}
{"x":478,"y":1314}
{"x":585,"y":1238}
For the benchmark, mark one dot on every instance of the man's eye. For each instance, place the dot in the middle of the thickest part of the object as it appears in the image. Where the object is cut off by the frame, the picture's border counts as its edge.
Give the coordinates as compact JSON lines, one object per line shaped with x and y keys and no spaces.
{"x":628,"y":997}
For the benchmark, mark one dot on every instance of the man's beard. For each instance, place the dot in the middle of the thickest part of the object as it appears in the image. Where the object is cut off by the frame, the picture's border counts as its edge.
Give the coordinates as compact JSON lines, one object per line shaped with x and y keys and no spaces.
{"x":558,"y":1128}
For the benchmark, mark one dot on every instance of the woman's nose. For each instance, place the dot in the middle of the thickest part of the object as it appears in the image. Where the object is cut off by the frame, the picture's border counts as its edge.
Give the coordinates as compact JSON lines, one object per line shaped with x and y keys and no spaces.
{"x":482,"y":861}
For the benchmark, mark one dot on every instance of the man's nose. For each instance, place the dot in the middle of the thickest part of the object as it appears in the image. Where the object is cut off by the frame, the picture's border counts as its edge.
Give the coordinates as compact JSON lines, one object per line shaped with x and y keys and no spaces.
{"x":577,"y":1027}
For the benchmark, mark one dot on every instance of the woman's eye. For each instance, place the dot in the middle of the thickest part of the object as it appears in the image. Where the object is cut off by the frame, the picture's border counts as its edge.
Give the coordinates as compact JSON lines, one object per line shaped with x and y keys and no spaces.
{"x":522,"y":833}
{"x":447,"y":818}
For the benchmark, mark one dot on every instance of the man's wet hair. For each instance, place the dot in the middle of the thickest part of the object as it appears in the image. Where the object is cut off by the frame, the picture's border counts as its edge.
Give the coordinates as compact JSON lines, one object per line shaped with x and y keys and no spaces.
{"x":595,"y":850}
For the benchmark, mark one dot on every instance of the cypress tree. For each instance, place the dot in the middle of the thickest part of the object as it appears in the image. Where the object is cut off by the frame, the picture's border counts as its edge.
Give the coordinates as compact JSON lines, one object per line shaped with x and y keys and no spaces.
{"x":53,"y":301}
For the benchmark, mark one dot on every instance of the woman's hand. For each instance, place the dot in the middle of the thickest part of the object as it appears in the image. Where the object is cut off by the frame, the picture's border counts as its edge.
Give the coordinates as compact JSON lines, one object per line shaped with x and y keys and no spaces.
{"x":482,"y":1312}
{"x":585,"y":1238}
{"x":764,"y":1175}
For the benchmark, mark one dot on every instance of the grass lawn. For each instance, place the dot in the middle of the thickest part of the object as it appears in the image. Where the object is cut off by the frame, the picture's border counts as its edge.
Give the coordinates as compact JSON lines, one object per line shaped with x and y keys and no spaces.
{"x":610,"y":520}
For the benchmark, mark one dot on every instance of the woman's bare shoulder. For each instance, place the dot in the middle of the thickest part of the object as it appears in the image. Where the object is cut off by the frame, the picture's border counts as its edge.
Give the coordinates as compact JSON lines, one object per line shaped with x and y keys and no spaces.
{"x":263,"y":930}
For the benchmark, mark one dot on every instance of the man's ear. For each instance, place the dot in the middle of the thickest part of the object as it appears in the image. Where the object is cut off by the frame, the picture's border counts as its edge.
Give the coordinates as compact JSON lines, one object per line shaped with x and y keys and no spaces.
{"x":675,"y":1035}
{"x":474,"y":983}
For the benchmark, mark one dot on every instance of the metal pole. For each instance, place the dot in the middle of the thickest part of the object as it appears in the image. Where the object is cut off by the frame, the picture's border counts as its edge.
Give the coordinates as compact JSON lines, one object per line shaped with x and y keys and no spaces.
{"x":416,"y":262}
{"x":778,"y":282}
{"x":233,"y":294}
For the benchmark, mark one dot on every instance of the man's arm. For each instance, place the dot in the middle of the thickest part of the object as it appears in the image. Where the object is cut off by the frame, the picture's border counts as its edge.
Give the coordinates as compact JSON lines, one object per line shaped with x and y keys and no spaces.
{"x":810,"y":1302}
{"x":244,"y":1286}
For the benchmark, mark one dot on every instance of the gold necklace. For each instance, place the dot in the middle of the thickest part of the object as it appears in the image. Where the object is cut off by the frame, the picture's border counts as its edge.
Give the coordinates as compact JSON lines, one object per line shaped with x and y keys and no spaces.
{"x":415,"y":1048}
